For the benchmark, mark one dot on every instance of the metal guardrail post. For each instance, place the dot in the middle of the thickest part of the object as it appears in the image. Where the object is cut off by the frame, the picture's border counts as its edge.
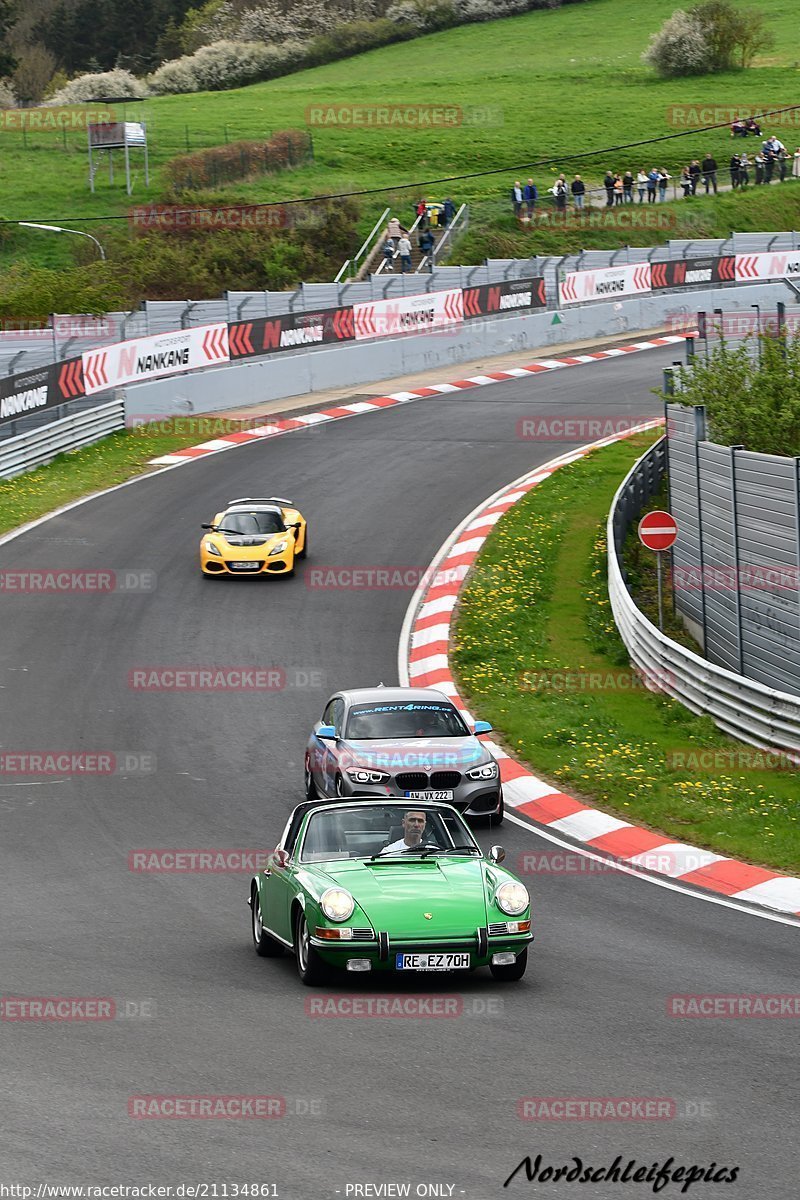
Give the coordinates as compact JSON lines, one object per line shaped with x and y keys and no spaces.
{"x":738,"y":575}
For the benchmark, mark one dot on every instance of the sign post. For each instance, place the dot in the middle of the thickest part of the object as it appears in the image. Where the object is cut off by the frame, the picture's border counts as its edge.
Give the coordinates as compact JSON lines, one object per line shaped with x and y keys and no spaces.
{"x":658,"y":531}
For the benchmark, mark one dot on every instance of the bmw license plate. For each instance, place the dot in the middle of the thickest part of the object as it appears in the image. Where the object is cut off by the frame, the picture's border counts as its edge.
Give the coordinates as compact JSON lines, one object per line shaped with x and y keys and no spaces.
{"x":446,"y":795}
{"x":432,"y":962}
{"x":245,"y":566}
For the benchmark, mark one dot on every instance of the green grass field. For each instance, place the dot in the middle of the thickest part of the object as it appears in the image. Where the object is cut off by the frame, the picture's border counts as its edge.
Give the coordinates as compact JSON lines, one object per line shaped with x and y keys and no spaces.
{"x":565,"y":81}
{"x":533,"y":636}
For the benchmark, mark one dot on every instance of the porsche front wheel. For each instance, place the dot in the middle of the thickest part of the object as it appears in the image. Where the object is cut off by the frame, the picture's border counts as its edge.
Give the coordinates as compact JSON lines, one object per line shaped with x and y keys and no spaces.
{"x":512,"y":972}
{"x":265,"y":946}
{"x":310,"y":967}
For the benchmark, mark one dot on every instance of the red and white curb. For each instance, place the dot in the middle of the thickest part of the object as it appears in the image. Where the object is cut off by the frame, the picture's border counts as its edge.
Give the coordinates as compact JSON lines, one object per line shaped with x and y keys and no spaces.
{"x":283,"y":425}
{"x":424,"y":662}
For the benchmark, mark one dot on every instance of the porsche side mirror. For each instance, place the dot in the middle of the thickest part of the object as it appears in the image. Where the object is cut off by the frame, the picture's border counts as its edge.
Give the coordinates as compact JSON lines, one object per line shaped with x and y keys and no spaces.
{"x":482,"y":727}
{"x":497,"y":854}
{"x":327,"y":733}
{"x":277,"y":860}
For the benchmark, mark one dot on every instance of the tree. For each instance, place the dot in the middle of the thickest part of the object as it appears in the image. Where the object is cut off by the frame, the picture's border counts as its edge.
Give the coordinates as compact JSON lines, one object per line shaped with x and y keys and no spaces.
{"x":34,"y":71}
{"x":752,"y":36}
{"x":8,"y":17}
{"x":680,"y":47}
{"x":712,"y":36}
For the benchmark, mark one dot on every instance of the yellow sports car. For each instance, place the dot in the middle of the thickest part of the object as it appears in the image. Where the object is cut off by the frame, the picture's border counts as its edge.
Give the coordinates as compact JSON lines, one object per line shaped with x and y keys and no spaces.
{"x":254,"y":537}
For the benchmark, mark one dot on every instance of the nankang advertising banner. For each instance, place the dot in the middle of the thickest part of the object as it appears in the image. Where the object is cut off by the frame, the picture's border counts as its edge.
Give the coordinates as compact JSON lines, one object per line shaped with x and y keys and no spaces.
{"x":408,"y":314}
{"x":288,"y":331}
{"x":151,"y":357}
{"x":768,"y":266}
{"x":692,"y":272}
{"x":512,"y":295}
{"x":604,"y":283}
{"x":22,"y":395}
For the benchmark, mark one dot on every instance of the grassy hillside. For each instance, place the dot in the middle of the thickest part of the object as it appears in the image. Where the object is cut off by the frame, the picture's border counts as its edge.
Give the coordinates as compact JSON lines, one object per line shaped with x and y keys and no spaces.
{"x":564,"y":81}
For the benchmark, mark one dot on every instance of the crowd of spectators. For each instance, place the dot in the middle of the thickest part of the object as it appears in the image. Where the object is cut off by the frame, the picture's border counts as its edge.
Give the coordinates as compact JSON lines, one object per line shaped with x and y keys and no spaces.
{"x":771,"y":162}
{"x":397,"y":238}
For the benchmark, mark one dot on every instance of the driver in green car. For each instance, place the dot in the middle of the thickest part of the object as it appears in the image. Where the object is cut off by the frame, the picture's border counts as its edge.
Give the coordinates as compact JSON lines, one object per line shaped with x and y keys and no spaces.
{"x":413,"y":828}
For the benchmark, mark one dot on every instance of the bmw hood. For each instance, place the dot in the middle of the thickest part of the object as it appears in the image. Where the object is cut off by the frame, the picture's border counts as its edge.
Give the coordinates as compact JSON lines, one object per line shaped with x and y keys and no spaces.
{"x":417,"y":754}
{"x":395,"y":895}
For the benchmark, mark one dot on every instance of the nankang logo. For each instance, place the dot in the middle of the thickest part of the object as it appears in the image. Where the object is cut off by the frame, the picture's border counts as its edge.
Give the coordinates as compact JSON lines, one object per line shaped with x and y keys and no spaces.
{"x":22,"y":402}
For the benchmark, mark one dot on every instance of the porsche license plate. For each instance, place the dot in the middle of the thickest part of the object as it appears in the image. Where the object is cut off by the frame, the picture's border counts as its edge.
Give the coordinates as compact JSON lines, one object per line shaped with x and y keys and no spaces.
{"x":432,"y":962}
{"x":245,"y":566}
{"x":446,"y":795}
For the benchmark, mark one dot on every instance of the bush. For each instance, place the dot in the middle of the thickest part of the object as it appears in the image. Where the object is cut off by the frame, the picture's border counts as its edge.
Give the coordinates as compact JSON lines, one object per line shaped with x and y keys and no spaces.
{"x":708,"y":38}
{"x":7,"y":97}
{"x":106,"y":85}
{"x":239,"y":160}
{"x":679,"y":48}
{"x":222,"y":65}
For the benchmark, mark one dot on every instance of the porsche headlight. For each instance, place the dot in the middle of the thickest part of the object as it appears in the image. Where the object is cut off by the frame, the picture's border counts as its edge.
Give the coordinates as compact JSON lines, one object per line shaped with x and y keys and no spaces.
{"x":212,"y":549}
{"x":337,"y":904}
{"x":366,"y":775}
{"x":278,"y":548}
{"x":512,"y":898}
{"x":486,"y":771}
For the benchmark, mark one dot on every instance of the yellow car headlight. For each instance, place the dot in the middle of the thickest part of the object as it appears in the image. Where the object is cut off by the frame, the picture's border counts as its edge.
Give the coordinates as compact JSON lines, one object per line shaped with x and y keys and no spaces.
{"x":278,"y":548}
{"x":212,"y":549}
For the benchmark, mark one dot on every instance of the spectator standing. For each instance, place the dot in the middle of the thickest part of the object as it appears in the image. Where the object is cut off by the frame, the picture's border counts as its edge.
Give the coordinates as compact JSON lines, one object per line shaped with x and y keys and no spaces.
{"x":796,"y":163}
{"x":578,"y":189}
{"x":686,"y":182}
{"x":744,"y":169}
{"x":559,"y":191}
{"x":652,"y":184}
{"x":388,"y":249}
{"x":608,"y":184}
{"x":516,"y":196}
{"x":422,"y":215}
{"x":627,"y":187}
{"x":618,"y":189}
{"x":735,"y":169}
{"x":449,"y":210}
{"x":663,"y":179}
{"x":530,"y":195}
{"x":768,"y":155}
{"x":783,"y":162}
{"x":695,"y":171}
{"x":404,"y":248}
{"x":395,"y":230}
{"x":641,"y":185}
{"x":709,"y":169}
{"x":758,"y":162}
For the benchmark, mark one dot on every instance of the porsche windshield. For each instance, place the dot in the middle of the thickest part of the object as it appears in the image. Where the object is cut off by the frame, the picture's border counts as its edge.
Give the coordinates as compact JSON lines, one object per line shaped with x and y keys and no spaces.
{"x":381,"y":830}
{"x":419,"y":719}
{"x":250,"y":523}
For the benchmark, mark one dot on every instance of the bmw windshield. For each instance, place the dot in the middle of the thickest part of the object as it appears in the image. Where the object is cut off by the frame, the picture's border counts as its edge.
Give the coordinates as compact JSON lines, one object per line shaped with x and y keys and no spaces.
{"x":419,"y":719}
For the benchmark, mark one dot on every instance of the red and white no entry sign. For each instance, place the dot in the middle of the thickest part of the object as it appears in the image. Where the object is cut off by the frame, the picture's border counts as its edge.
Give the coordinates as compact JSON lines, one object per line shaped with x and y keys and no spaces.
{"x":658,"y":530}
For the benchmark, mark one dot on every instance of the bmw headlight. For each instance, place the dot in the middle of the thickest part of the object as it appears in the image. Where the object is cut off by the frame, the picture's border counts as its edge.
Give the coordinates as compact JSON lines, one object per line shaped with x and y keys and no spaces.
{"x":512,"y":898}
{"x":278,"y":548}
{"x":212,"y":549}
{"x":486,"y":771}
{"x":337,"y":904}
{"x":366,"y":775}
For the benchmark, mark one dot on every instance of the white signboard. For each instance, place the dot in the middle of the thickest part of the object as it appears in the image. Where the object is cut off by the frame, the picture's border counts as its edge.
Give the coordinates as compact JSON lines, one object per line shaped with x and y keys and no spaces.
{"x":768,"y":266}
{"x":408,"y":314}
{"x":151,"y":357}
{"x":604,"y":283}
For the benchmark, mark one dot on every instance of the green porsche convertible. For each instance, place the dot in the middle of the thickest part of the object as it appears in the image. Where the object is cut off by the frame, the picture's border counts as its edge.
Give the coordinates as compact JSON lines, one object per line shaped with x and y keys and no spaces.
{"x":386,"y":885}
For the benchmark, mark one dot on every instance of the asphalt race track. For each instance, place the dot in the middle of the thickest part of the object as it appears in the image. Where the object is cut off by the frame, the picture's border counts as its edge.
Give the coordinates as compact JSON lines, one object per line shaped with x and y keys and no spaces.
{"x":373,"y":1100}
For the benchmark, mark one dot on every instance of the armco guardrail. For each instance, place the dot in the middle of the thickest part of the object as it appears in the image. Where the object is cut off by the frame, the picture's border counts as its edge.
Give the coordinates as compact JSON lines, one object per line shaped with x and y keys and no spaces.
{"x":743,"y":708}
{"x":39,"y":446}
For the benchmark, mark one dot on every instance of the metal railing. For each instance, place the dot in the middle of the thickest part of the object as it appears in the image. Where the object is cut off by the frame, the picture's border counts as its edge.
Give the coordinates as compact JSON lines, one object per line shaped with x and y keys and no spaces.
{"x":743,"y":708}
{"x":345,"y":269}
{"x":39,"y":446}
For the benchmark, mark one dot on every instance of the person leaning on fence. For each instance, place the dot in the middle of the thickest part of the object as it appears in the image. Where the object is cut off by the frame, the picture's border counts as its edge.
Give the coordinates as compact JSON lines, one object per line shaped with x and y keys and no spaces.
{"x":578,"y":189}
{"x":652,"y":183}
{"x":709,"y":168}
{"x":686,"y":182}
{"x":516,"y":198}
{"x":783,"y":162}
{"x":618,"y":189}
{"x":559,"y":191}
{"x":736,"y":170}
{"x":627,"y":187}
{"x":641,"y":185}
{"x":695,"y":171}
{"x":796,"y":163}
{"x":744,"y":169}
{"x":663,"y":179}
{"x":758,"y":163}
{"x":608,"y":184}
{"x":404,"y":249}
